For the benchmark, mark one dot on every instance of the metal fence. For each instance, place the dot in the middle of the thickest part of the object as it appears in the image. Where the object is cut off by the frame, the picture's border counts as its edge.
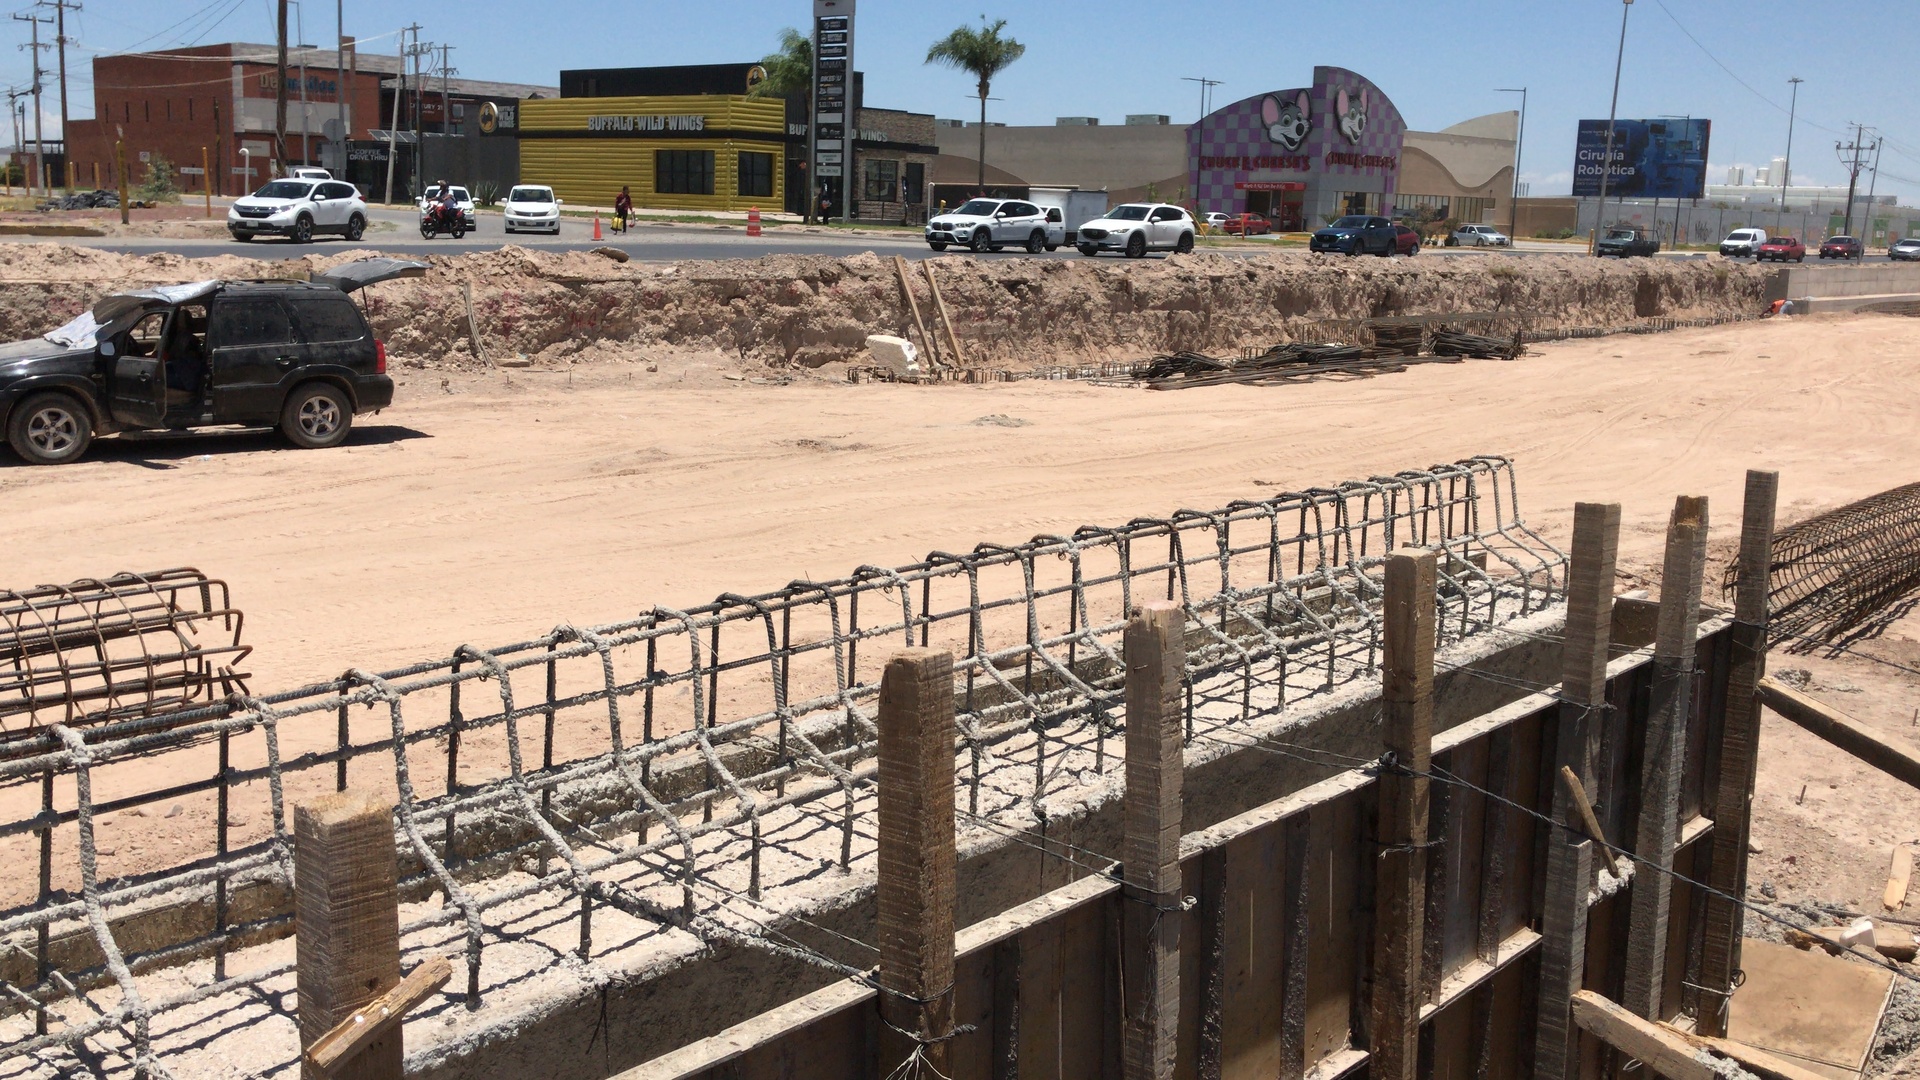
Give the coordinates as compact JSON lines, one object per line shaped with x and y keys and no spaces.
{"x":665,"y":766}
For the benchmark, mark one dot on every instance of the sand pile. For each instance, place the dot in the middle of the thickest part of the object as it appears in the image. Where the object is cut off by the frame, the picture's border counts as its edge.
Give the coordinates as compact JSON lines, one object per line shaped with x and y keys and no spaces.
{"x":794,"y":310}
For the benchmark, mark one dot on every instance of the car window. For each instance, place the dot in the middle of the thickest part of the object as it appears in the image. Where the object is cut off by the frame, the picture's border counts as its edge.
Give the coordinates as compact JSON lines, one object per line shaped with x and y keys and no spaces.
{"x":1165,"y":214}
{"x":460,"y":195}
{"x":531,"y":195}
{"x":327,"y":319}
{"x":285,"y":189}
{"x":242,"y":323}
{"x":978,"y":207}
{"x":145,"y":336}
{"x":1128,"y":212}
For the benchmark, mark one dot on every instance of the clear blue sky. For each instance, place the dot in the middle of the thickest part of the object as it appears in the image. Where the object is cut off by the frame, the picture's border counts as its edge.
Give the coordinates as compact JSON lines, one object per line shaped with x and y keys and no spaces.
{"x":1439,"y":60}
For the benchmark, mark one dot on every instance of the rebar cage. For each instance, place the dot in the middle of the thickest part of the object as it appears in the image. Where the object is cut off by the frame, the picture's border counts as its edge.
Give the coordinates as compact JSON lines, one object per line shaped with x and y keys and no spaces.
{"x":665,"y":770}
{"x":1843,"y":574}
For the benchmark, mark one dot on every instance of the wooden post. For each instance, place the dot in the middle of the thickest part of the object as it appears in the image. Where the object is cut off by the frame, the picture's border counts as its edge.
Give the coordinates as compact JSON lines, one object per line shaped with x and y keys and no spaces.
{"x":1739,"y":754}
{"x":1156,"y":659}
{"x":913,"y":305}
{"x":1583,"y":691}
{"x":206,"y":180}
{"x":346,"y":924}
{"x":1841,"y":730}
{"x":1664,"y":751}
{"x":1399,"y":909}
{"x":916,"y":890}
{"x":955,"y":357}
{"x":120,"y":167}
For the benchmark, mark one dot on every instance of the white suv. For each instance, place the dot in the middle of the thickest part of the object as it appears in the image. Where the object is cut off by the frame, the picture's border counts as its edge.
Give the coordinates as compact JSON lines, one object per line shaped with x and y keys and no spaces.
{"x":1137,"y":228}
{"x":992,"y":224}
{"x":299,"y":210}
{"x":532,"y":208}
{"x":308,"y":172}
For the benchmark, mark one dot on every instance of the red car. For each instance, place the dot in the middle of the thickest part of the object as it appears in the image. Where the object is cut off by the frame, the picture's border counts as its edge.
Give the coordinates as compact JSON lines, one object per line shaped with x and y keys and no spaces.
{"x":1842,"y":247}
{"x":1249,"y":224}
{"x":1780,"y":249}
{"x":1405,"y":241}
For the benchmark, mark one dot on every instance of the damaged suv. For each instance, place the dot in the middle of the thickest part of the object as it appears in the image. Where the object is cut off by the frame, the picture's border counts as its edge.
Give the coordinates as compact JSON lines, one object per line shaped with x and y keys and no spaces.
{"x":298,"y":355}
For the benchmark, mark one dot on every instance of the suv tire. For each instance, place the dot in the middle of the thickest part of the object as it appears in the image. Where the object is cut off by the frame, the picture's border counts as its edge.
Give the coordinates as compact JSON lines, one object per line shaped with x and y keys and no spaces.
{"x":980,"y":242}
{"x":1184,"y":244}
{"x":937,"y":245}
{"x":356,"y":228}
{"x":317,"y":415}
{"x":50,"y":429}
{"x":303,"y":230}
{"x":1089,"y":250}
{"x":1036,"y":243}
{"x":1137,"y":246}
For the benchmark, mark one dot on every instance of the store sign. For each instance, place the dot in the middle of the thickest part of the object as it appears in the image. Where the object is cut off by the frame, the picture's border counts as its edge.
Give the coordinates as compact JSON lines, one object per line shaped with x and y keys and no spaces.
{"x":1250,"y":162}
{"x":495,"y":117}
{"x":832,"y":139}
{"x":1362,"y":161}
{"x":646,"y":123}
{"x":1269,"y":185}
{"x":315,"y":84}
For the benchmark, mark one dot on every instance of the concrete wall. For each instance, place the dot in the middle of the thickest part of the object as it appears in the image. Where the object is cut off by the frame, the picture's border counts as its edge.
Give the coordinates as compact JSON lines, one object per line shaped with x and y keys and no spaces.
{"x":1832,"y":286}
{"x":1091,"y":158}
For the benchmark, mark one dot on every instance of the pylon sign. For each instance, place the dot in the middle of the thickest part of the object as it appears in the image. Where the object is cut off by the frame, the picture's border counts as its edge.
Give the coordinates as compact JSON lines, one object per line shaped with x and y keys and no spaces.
{"x":830,"y":145}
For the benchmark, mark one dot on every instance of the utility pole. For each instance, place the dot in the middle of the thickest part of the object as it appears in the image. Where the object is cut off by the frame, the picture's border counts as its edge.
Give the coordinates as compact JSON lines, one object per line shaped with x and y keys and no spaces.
{"x":340,"y":80}
{"x":399,"y":92}
{"x":446,"y":104}
{"x":1606,"y":166}
{"x":39,"y":149}
{"x":1853,"y":165}
{"x":280,"y":93}
{"x":306,"y":114}
{"x":1872,"y":186}
{"x":416,"y":52}
{"x":61,"y":40}
{"x":1206,"y":84}
{"x":1786,"y":170}
{"x":1519,"y":147}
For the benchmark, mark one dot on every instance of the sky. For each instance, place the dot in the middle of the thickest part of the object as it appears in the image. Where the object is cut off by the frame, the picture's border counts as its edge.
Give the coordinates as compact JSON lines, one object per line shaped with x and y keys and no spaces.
{"x":1439,"y":60}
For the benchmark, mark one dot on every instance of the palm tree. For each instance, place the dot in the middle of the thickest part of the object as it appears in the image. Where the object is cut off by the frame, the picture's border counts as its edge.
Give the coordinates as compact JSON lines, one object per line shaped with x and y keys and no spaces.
{"x":789,"y":75}
{"x":982,"y":53}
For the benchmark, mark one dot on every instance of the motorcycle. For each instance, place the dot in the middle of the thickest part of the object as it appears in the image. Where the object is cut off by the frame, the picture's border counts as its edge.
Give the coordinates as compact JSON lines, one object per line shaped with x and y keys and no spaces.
{"x":436,"y":219}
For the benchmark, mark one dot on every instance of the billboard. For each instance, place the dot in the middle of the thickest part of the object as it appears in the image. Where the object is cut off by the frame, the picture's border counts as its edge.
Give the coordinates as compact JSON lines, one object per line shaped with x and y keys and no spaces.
{"x":1652,"y":159}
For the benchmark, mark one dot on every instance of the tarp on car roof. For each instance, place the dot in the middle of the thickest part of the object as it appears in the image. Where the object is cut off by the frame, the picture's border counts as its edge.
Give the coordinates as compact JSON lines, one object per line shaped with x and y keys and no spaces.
{"x":364,"y":272}
{"x":84,"y":331}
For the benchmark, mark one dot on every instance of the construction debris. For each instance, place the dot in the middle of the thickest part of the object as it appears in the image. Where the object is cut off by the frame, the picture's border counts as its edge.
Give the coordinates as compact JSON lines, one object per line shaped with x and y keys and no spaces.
{"x":100,"y":199}
{"x":1291,"y":362}
{"x":1844,"y":572}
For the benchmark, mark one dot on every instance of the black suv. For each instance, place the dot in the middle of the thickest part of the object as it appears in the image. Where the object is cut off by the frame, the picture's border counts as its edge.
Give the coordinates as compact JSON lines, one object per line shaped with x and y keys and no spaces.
{"x":296,"y":354}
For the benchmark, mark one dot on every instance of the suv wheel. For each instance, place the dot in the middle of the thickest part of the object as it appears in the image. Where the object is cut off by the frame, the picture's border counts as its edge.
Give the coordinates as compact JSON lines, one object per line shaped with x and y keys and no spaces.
{"x":1184,"y":244}
{"x":356,"y":228}
{"x":303,"y":230}
{"x":1137,"y":246}
{"x":937,"y":245}
{"x":1088,"y":249}
{"x":1036,"y":243}
{"x":979,"y":242}
{"x":50,"y":429}
{"x":316,"y":416}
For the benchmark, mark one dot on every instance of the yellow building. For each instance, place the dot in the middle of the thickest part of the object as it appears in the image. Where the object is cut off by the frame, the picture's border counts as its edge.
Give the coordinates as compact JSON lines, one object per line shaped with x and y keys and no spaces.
{"x":684,"y":152}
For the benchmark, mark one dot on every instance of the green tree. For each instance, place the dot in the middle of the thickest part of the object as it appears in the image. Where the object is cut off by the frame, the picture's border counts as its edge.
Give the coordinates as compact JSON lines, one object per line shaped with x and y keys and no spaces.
{"x":158,"y":185}
{"x":790,"y":70}
{"x":982,"y":53}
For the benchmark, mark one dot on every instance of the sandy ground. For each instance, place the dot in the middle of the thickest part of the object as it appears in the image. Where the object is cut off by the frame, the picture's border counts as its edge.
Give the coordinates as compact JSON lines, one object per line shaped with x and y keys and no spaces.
{"x":487,"y":509}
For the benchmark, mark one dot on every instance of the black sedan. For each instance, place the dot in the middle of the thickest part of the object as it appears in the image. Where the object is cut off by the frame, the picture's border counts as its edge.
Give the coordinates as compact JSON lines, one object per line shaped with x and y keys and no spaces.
{"x":1357,"y":233}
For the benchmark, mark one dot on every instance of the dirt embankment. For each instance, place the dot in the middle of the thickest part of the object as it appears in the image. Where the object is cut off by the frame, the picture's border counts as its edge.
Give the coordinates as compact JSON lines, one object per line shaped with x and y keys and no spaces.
{"x":814,"y":310}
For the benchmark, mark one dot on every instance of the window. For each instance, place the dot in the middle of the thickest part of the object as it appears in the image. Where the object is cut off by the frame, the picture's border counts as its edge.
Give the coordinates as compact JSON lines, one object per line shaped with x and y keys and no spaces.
{"x":1020,"y":209}
{"x":1165,"y":213}
{"x":243,"y":323}
{"x":916,"y":182}
{"x":683,"y":172}
{"x":882,"y":180}
{"x":338,"y":190}
{"x":328,"y":320}
{"x":756,"y":175}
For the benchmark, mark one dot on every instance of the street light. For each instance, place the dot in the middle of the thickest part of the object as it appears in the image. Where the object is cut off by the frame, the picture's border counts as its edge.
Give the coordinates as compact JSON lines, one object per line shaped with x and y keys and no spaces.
{"x":1606,"y":164}
{"x":1786,"y":168}
{"x":1519,"y":146}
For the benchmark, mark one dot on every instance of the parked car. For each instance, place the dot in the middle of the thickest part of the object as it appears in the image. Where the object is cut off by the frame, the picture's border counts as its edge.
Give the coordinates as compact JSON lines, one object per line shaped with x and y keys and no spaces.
{"x":1137,"y":228}
{"x":1781,"y":249}
{"x":1356,"y":233}
{"x":1843,"y":247}
{"x":1622,"y":242}
{"x":299,"y":210}
{"x":298,"y":355}
{"x":992,"y":224}
{"x":1216,"y":221}
{"x":532,"y":208}
{"x":1247,"y":225}
{"x":1743,"y":243}
{"x":308,"y":172}
{"x":1405,"y":241}
{"x":461,"y":199}
{"x":1907,"y":250}
{"x":1478,"y":236}
{"x":1070,"y":207}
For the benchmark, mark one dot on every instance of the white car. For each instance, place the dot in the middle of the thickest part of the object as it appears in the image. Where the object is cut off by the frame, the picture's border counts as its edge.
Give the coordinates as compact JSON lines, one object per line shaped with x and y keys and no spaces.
{"x":1217,"y":221}
{"x":308,"y":172}
{"x":1478,"y":236}
{"x":460,"y":199}
{"x":299,"y":210}
{"x":992,"y":224}
{"x":1137,"y":228}
{"x":1743,"y":243}
{"x":532,"y":208}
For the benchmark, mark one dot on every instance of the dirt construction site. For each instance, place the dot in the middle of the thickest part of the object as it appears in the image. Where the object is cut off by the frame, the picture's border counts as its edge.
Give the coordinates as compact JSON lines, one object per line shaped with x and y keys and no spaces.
{"x":1116,"y":693}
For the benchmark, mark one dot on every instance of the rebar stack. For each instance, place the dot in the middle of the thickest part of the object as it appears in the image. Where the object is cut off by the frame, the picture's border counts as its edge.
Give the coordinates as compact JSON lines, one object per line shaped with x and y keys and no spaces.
{"x":1843,"y":572}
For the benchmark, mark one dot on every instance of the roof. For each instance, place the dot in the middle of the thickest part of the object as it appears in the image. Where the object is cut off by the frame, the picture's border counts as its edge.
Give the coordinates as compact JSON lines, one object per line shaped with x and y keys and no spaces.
{"x":481,"y":89}
{"x":371,"y":63}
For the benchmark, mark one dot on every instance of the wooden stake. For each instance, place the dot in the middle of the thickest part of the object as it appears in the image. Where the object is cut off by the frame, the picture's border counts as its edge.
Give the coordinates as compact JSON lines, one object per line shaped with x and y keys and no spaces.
{"x":1577,"y":794}
{"x":1662,"y":758}
{"x":1739,"y":756}
{"x":1155,"y":654}
{"x":1899,"y":877}
{"x":957,"y":359}
{"x":120,"y":166}
{"x":913,"y":305}
{"x":379,"y":1016}
{"x":473,"y":324}
{"x":1400,"y":872}
{"x":1583,"y":690}
{"x":1841,"y":730}
{"x":346,"y":925}
{"x":1664,"y":1051}
{"x":916,"y":889}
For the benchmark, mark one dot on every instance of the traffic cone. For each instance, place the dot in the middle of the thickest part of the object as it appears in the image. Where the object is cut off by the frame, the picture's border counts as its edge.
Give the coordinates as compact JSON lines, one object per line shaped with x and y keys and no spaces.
{"x":596,"y":226}
{"x":753,"y":221}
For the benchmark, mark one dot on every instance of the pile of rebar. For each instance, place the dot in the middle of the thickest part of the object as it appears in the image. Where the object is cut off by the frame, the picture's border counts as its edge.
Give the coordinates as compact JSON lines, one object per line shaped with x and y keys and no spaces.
{"x":1448,"y":342}
{"x":1291,"y":362}
{"x":1844,"y":573}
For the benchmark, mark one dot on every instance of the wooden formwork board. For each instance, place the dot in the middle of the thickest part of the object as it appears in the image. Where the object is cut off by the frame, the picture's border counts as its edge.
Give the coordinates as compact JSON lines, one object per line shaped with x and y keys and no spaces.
{"x":1275,"y":947}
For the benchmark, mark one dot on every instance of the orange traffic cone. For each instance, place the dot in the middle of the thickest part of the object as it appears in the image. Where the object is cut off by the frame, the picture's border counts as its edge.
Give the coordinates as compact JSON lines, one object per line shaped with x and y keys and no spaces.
{"x":596,"y":226}
{"x":753,"y":221}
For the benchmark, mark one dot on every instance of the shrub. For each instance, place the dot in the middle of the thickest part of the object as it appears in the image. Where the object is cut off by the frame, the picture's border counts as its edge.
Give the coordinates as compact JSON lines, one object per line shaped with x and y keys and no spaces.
{"x":486,"y":193}
{"x":157,"y":185}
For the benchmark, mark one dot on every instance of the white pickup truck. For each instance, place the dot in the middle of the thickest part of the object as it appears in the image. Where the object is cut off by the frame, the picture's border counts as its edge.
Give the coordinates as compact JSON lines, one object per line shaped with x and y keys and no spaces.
{"x":993,"y":224}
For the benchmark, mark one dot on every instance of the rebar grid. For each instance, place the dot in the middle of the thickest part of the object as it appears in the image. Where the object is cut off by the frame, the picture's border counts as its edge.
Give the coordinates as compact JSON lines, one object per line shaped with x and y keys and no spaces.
{"x":754,"y":744}
{"x":1842,"y":573}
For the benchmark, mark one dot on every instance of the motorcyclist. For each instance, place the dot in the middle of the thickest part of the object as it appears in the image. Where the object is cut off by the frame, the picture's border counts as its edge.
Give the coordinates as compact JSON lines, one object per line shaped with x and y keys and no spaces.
{"x":441,"y":203}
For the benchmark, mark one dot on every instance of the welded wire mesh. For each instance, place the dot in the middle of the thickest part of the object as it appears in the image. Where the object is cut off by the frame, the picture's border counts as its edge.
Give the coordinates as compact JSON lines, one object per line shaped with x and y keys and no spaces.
{"x":661,"y":772}
{"x":1844,"y":572}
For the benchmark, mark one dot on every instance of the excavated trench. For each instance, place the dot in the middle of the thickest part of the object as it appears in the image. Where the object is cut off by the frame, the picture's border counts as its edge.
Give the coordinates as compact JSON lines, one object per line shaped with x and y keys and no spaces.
{"x":810,"y":311}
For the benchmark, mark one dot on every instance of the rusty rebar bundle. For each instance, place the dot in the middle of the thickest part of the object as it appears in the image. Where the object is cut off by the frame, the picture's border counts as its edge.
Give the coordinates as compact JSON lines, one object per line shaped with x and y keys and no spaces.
{"x":132,"y":646}
{"x":1845,"y":572}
